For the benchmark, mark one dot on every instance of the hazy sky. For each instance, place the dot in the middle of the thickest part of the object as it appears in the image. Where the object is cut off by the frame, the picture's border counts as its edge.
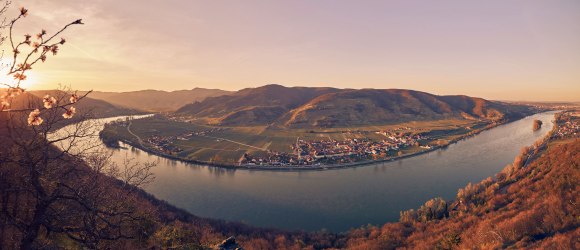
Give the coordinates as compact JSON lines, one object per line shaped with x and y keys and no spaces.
{"x":504,"y":49}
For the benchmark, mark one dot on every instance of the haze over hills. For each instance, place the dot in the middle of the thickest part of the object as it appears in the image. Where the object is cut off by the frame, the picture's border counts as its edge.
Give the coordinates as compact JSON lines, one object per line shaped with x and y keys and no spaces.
{"x":157,"y":100}
{"x":97,"y":108}
{"x":330,"y":107}
{"x":86,"y":106}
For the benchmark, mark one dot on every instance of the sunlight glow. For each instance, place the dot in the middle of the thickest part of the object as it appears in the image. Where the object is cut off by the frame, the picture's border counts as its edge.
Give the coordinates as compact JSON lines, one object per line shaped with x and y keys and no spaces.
{"x":31,"y":80}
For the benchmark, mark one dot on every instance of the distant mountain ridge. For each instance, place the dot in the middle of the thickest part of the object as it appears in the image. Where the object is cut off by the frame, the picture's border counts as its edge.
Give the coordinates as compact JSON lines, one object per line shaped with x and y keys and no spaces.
{"x":86,"y":106}
{"x":157,"y":100}
{"x":329,"y":107}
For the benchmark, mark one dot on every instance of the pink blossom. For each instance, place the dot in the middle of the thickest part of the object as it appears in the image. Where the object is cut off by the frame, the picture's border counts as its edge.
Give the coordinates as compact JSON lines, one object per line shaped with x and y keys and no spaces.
{"x":74,"y":98}
{"x":24,"y":67}
{"x":34,"y":118}
{"x":19,"y":76}
{"x":41,"y":34}
{"x":4,"y":103}
{"x":48,"y":101}
{"x":54,"y":49}
{"x":70,"y":112}
{"x":23,"y":12}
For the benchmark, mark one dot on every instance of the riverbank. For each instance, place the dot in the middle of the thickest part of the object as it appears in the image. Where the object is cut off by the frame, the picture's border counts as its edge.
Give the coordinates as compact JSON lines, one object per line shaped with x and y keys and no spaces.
{"x":315,"y":167}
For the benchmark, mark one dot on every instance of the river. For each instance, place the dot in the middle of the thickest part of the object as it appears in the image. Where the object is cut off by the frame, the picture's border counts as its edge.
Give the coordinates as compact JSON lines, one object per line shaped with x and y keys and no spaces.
{"x":338,"y":199}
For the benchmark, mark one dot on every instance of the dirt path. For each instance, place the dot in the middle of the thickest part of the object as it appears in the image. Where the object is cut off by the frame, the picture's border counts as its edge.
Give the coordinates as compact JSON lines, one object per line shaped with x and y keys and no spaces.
{"x":239,"y":143}
{"x":136,"y":136}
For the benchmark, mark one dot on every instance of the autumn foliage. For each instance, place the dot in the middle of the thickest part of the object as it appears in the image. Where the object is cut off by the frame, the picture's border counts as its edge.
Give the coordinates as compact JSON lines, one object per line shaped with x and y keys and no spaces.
{"x":534,"y":206}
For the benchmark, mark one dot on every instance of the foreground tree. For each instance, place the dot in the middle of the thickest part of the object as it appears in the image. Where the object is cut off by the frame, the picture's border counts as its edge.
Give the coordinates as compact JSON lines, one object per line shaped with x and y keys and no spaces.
{"x":58,"y":185}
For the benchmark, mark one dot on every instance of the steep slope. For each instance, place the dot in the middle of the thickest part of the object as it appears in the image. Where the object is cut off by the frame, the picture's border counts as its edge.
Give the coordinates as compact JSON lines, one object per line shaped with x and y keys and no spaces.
{"x":372,"y":106}
{"x":327,"y":107}
{"x":527,"y":206}
{"x":250,"y":106}
{"x":157,"y":100}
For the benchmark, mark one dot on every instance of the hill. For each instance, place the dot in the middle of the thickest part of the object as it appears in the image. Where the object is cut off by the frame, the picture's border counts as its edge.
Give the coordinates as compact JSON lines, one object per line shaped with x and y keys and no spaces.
{"x":253,"y":106}
{"x":329,"y":107}
{"x":157,"y":100}
{"x":529,"y":205}
{"x":87,"y":106}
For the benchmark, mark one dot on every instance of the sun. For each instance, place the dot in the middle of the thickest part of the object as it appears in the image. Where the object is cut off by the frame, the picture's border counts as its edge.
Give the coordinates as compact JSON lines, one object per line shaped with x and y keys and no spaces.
{"x":30,"y":81}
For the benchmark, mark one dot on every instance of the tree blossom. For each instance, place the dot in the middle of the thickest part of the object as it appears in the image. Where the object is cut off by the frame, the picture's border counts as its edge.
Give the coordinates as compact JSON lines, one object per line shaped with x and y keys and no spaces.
{"x":24,"y":66}
{"x":48,"y":101}
{"x":21,"y":64}
{"x":19,"y":76}
{"x":27,"y":39}
{"x":12,"y":92}
{"x":34,"y":118}
{"x":41,"y":34}
{"x":74,"y":98}
{"x":4,"y":103}
{"x":54,"y":50}
{"x":23,"y":12}
{"x":70,"y":112}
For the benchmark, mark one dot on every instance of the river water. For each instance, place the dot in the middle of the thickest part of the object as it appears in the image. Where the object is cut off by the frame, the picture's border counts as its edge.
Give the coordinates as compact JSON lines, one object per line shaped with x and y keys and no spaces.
{"x":340,"y":199}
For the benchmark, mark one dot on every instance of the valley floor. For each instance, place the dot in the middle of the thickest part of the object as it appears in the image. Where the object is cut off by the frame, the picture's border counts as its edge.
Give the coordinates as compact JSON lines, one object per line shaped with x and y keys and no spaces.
{"x":263,"y":147}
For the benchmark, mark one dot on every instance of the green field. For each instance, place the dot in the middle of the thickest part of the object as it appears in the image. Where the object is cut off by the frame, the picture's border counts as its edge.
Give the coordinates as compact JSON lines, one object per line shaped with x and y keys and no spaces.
{"x":230,"y":143}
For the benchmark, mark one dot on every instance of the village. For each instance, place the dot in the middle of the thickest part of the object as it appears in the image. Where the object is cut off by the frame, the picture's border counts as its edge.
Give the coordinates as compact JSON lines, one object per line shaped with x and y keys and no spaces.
{"x":339,"y":152}
{"x":568,"y":125}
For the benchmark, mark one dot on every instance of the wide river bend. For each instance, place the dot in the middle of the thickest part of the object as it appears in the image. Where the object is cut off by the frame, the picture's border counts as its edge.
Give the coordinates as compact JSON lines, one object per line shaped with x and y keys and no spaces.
{"x":337,"y":199}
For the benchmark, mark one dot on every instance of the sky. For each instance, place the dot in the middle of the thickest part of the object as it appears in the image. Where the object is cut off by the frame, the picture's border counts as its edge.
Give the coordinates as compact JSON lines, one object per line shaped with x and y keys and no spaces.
{"x":495,"y":49}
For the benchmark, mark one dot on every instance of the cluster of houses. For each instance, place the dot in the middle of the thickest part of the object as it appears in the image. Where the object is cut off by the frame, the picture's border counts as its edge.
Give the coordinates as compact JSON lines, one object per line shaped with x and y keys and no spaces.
{"x":164,"y":144}
{"x":337,"y":152}
{"x":568,"y":125}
